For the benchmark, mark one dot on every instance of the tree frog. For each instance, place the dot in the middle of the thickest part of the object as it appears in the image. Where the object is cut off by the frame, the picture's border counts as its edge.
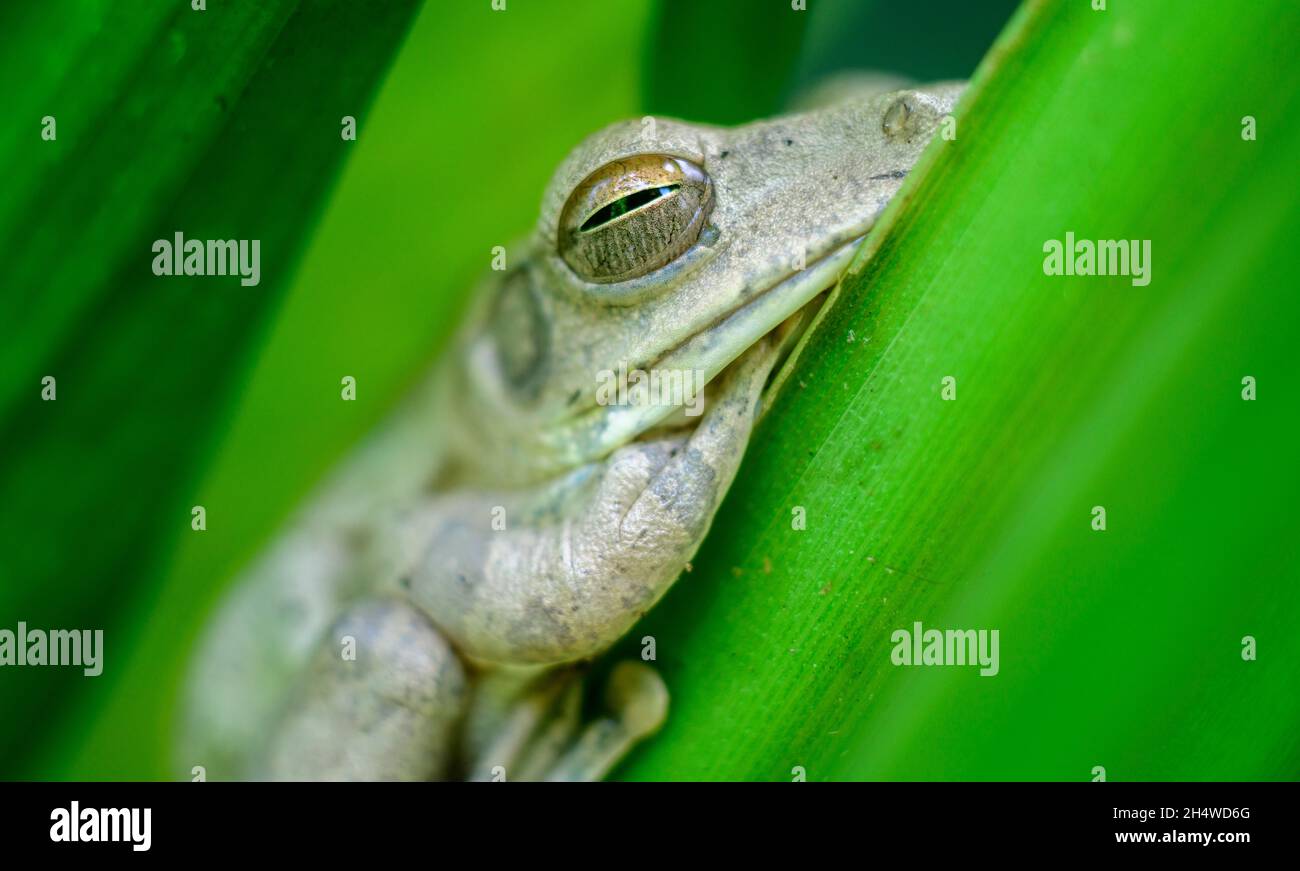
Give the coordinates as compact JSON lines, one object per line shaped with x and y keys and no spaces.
{"x":427,"y":614}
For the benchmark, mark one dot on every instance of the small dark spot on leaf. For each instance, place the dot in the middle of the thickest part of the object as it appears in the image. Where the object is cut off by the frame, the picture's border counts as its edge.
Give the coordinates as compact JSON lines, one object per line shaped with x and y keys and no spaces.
{"x":789,"y":142}
{"x":723,"y":155}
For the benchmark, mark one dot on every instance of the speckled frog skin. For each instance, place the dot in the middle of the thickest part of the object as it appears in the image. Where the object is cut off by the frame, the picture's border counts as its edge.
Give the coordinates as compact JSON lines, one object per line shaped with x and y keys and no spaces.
{"x":427,"y":613}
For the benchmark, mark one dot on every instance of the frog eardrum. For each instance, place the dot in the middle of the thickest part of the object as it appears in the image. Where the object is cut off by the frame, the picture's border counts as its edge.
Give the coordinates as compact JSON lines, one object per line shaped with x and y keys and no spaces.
{"x":632,"y":216}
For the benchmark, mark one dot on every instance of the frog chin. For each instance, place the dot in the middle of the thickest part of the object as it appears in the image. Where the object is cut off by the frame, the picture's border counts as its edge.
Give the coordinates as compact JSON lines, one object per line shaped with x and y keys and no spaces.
{"x":783,"y":311}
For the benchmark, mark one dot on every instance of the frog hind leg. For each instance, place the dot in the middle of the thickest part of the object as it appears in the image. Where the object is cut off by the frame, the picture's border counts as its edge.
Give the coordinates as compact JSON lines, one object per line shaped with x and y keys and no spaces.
{"x":544,"y":738}
{"x":637,"y":703}
{"x":381,"y":699}
{"x":515,"y":716}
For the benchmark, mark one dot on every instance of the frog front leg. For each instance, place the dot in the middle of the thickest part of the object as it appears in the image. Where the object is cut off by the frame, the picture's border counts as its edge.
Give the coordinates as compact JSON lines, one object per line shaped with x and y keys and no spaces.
{"x":581,"y":559}
{"x":578,"y":562}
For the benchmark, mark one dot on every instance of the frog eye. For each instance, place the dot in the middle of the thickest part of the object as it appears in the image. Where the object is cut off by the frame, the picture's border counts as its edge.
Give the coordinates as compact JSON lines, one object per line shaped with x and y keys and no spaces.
{"x":632,"y":216}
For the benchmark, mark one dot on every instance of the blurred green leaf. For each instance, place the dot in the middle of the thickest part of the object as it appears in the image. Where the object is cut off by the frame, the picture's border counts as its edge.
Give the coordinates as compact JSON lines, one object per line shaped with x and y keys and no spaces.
{"x":1119,"y":648}
{"x":722,"y":62}
{"x":925,"y":40}
{"x":222,"y":124}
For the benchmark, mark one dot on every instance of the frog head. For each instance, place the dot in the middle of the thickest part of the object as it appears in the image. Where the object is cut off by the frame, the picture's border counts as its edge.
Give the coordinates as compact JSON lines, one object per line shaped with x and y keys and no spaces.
{"x":672,"y":247}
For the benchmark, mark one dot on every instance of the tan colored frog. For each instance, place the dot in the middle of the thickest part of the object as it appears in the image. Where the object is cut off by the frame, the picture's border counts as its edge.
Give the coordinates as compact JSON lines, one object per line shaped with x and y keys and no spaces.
{"x":424,"y":615}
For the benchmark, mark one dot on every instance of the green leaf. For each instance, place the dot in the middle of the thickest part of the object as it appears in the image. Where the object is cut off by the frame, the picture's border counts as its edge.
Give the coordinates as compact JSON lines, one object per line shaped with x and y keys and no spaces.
{"x":223,"y":124}
{"x":1119,"y":648}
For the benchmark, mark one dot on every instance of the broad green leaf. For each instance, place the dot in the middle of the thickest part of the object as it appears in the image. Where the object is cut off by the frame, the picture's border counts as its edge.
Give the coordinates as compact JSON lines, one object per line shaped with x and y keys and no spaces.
{"x":221,"y":124}
{"x":1119,"y":648}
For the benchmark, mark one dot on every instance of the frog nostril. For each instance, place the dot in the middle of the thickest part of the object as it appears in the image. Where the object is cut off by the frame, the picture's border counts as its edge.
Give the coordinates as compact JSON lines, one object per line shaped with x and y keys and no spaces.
{"x":896,"y":118}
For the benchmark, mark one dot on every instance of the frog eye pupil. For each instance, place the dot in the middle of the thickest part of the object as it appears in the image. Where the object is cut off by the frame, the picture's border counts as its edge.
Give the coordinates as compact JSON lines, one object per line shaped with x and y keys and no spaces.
{"x":618,"y":208}
{"x":632,"y":216}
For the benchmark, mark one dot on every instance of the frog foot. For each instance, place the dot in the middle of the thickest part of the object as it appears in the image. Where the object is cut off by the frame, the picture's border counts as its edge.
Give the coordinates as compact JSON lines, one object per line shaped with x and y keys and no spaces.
{"x":637,"y":701}
{"x":544,"y":739}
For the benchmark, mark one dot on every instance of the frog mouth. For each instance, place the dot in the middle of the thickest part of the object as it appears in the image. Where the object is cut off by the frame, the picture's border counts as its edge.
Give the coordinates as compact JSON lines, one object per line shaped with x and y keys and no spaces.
{"x":785,"y":305}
